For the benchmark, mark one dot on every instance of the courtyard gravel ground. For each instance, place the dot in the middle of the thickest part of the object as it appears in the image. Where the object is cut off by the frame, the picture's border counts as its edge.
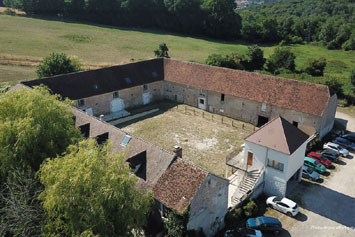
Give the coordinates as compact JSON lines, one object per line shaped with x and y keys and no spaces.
{"x":326,"y":208}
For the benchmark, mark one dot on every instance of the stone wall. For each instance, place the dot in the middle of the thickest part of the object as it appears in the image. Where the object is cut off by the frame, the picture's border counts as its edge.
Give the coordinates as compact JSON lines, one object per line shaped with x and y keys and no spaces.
{"x":132,"y":97}
{"x":208,"y":208}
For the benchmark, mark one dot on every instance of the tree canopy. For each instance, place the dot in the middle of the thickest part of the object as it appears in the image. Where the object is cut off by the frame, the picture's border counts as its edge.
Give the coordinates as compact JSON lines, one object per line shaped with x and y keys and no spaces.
{"x":90,"y":189}
{"x":34,"y":125}
{"x":57,"y":63}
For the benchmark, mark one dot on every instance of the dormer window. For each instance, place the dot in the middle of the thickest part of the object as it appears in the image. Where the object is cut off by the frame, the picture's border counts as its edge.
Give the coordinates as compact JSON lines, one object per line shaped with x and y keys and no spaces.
{"x":145,"y":87}
{"x":263,"y":107}
{"x":81,"y":103}
{"x":203,"y":92}
{"x":115,"y":94}
{"x":138,"y":164}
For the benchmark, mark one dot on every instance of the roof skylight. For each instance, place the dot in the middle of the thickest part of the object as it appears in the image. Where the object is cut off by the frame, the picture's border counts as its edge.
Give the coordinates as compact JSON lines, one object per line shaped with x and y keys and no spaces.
{"x":126,"y":140}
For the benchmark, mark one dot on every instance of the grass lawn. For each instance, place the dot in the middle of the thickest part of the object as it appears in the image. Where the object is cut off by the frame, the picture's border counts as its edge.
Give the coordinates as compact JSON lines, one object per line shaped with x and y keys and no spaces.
{"x":205,"y":143}
{"x":26,"y":38}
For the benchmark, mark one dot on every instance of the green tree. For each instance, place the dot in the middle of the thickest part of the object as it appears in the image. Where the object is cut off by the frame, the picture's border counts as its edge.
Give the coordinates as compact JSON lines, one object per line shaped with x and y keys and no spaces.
{"x":335,"y":87}
{"x":34,"y":125}
{"x":176,"y":223}
{"x":221,"y":20}
{"x":255,"y":57}
{"x":21,"y":213}
{"x":162,"y":51}
{"x":90,"y":188}
{"x":315,"y":67}
{"x":282,"y":58}
{"x":352,"y":80}
{"x":57,"y":63}
{"x":350,"y":43}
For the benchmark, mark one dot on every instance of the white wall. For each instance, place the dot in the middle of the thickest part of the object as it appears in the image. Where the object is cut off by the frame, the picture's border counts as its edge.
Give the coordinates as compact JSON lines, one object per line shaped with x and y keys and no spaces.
{"x":209,"y":206}
{"x":296,"y":160}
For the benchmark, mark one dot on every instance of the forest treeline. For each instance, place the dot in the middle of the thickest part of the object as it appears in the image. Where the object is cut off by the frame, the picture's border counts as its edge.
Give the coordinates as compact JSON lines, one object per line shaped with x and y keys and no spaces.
{"x":331,"y":22}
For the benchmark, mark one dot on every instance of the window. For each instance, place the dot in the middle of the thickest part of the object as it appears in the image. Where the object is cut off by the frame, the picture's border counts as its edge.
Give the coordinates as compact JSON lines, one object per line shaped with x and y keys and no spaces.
{"x":126,"y":140}
{"x":263,"y":107}
{"x":155,"y":74}
{"x":81,"y":102}
{"x":275,"y":164}
{"x":222,"y":98}
{"x":115,"y":94}
{"x":128,"y":80}
{"x":145,"y":87}
{"x":202,"y":101}
{"x":203,"y":92}
{"x":295,"y":124}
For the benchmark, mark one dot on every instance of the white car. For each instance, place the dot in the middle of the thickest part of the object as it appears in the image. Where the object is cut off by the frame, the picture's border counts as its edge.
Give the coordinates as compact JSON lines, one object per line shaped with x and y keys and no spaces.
{"x":335,"y":147}
{"x":284,"y":205}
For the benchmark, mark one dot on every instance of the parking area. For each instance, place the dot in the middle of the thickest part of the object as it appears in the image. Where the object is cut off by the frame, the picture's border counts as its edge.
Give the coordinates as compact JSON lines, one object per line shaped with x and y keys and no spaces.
{"x":327,"y":208}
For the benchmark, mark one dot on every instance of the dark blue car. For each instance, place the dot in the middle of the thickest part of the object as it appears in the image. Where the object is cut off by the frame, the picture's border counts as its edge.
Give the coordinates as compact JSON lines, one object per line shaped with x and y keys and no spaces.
{"x":265,"y":224}
{"x":344,"y":143}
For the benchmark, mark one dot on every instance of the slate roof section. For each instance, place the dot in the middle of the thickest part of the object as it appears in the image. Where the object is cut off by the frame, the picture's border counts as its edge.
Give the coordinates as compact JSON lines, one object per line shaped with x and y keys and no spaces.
{"x":285,"y":93}
{"x":157,"y":159}
{"x":178,"y":185}
{"x":279,"y":135}
{"x":95,"y":82}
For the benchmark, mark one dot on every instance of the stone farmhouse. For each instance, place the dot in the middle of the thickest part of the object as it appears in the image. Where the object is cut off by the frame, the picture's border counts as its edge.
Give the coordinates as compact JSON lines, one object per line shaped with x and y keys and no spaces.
{"x":249,"y":97}
{"x":287,"y":111}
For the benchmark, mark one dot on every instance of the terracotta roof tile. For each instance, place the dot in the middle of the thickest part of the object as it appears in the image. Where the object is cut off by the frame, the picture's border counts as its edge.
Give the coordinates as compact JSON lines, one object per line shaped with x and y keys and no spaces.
{"x":177,"y":187}
{"x":285,"y":93}
{"x":279,"y":135}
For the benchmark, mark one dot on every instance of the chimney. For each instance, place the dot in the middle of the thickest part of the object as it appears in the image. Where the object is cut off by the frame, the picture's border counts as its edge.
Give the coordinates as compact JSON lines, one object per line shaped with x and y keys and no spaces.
{"x":178,"y":151}
{"x":101,"y":117}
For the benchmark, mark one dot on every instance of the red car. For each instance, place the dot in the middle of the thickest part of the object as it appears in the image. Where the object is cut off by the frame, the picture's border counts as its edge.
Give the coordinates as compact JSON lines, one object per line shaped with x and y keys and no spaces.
{"x":318,"y":157}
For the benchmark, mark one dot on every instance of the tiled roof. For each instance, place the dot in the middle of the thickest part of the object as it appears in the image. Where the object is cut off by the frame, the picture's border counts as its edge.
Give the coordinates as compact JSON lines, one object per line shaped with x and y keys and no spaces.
{"x":177,"y":187}
{"x":95,"y":82}
{"x":285,"y":93}
{"x":157,"y":159}
{"x":279,"y":135}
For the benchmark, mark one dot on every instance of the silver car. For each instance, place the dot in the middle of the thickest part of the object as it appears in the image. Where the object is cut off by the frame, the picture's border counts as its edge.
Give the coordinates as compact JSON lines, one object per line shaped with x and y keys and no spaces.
{"x":335,"y":147}
{"x":309,"y":173}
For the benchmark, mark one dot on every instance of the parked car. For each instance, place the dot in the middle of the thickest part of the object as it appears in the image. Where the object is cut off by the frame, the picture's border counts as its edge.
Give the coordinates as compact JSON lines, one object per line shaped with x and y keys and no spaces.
{"x":318,"y":157}
{"x":329,"y":154}
{"x":309,"y":173}
{"x":335,"y":147}
{"x":315,"y":165}
{"x":265,"y":224}
{"x":344,"y":143}
{"x":243,"y":232}
{"x":349,"y":136}
{"x":284,"y":205}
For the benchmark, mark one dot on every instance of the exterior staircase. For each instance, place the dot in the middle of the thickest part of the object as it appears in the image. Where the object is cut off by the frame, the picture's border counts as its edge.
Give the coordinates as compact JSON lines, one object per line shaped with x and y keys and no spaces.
{"x":246,"y":185}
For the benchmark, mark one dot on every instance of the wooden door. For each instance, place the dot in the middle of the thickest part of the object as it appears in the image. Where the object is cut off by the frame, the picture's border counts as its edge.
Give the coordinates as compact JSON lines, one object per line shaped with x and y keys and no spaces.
{"x":250,"y":158}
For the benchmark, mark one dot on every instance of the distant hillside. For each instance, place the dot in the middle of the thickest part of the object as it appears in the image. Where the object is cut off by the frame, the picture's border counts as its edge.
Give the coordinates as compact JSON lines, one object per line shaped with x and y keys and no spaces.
{"x":331,"y":22}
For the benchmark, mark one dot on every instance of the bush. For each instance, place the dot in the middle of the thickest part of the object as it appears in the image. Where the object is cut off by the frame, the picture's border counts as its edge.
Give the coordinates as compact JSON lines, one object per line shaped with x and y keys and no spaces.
{"x":233,"y":61}
{"x":281,"y":58}
{"x":315,"y":67}
{"x":176,"y":223}
{"x":352,"y":80}
{"x":349,"y":44}
{"x":335,"y":87}
{"x":232,"y":218}
{"x":256,"y":58}
{"x":250,"y":209}
{"x":9,"y":11}
{"x":57,"y":63}
{"x":162,"y":51}
{"x":315,"y":144}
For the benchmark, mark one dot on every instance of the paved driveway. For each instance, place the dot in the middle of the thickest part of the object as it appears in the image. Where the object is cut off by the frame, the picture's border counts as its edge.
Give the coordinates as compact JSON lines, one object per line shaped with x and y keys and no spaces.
{"x":327,"y":208}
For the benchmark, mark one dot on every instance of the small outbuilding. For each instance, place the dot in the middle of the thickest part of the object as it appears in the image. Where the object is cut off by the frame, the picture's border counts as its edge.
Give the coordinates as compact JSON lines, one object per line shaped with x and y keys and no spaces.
{"x":278,"y":148}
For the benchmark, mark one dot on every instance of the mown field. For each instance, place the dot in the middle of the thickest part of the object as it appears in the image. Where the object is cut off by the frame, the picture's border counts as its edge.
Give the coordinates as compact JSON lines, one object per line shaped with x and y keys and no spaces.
{"x":24,"y":41}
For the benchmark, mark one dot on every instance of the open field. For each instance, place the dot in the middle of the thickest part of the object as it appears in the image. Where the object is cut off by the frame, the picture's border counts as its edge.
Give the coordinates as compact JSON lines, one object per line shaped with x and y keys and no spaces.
{"x":208,"y":142}
{"x":30,"y":39}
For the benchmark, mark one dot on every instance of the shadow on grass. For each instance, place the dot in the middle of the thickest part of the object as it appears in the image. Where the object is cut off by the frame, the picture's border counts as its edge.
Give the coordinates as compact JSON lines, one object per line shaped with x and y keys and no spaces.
{"x":163,"y":107}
